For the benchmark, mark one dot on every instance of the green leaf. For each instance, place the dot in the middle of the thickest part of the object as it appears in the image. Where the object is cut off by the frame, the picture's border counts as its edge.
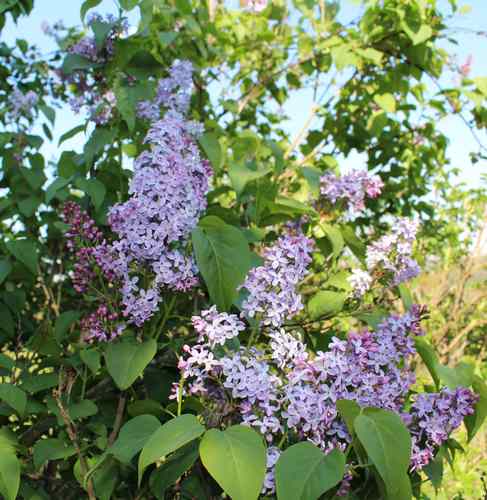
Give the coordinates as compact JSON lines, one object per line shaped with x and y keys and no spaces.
{"x":86,"y":6}
{"x":35,"y":177}
{"x":5,"y":268}
{"x":168,"y":438}
{"x":388,"y":444}
{"x":304,"y":472}
{"x":223,"y":257}
{"x":73,"y":62}
{"x":9,"y":473}
{"x":101,"y":30}
{"x":63,"y":322}
{"x":37,"y":382}
{"x":326,"y":303}
{"x":460,"y":376}
{"x":28,"y":206}
{"x":353,"y":242}
{"x":236,"y":459}
{"x":26,"y":252}
{"x":14,"y":397}
{"x":172,"y":469}
{"x":126,"y":360}
{"x":475,"y":421}
{"x":95,"y":145}
{"x":420,"y":35}
{"x":481,"y":84}
{"x":386,"y":102}
{"x":406,"y":296}
{"x":428,"y":355}
{"x":210,"y":144}
{"x":48,"y":112}
{"x":349,"y":410}
{"x":95,"y":189}
{"x":167,"y":37}
{"x":54,"y":187}
{"x":133,"y":436}
{"x":91,"y":358}
{"x":334,"y":236}
{"x":71,"y":133}
{"x":242,"y":174}
{"x":51,"y":449}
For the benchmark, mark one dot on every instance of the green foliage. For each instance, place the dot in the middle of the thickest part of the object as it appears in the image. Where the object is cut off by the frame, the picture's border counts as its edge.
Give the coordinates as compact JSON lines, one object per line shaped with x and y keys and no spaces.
{"x":236,"y":459}
{"x":304,"y":472}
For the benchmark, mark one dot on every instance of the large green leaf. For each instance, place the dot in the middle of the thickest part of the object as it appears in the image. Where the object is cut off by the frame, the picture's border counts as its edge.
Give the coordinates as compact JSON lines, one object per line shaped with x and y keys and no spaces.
{"x":14,"y":397}
{"x":172,"y":469}
{"x":168,"y":438}
{"x":387,"y":442}
{"x":326,"y":303}
{"x":209,"y":142}
{"x":349,"y":410}
{"x":133,"y":436}
{"x":223,"y":258}
{"x":63,"y":323}
{"x":236,"y":459}
{"x":241,"y":174}
{"x":5,"y":268}
{"x":9,"y":472}
{"x":304,"y":472}
{"x":475,"y":421}
{"x":26,"y":252}
{"x":126,"y":360}
{"x":429,"y":357}
{"x":51,"y":449}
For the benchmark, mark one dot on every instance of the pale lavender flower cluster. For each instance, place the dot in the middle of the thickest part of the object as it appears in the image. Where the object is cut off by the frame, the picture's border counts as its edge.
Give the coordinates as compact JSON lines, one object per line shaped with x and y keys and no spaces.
{"x":22,"y":105}
{"x":289,"y":389}
{"x":389,"y":259}
{"x":432,"y":419}
{"x":351,"y":188}
{"x":167,"y":197}
{"x":272,"y":287}
{"x":173,"y":92}
{"x":216,"y":328}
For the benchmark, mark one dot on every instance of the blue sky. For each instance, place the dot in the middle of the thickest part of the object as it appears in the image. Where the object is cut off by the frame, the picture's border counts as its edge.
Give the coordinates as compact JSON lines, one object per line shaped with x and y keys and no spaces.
{"x":461,"y":141}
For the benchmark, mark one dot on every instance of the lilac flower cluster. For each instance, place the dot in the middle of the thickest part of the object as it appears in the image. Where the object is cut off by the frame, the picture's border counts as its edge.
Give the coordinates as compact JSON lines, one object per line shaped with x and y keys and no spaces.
{"x":285,"y":388}
{"x":173,"y":92}
{"x":22,"y":105}
{"x":100,"y":325}
{"x":167,"y":197}
{"x":91,"y":252}
{"x":352,"y":188}
{"x":432,"y":419}
{"x":272,"y":287}
{"x":87,"y":48}
{"x":389,"y":259}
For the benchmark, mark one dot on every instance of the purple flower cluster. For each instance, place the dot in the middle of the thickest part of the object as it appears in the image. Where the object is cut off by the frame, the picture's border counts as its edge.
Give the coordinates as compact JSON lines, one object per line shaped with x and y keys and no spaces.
{"x":22,"y":105}
{"x":173,"y":92}
{"x":352,"y":188}
{"x":216,"y":328}
{"x":167,"y":197}
{"x":285,"y":388}
{"x":87,"y":48}
{"x":272,"y":287}
{"x":100,"y":325}
{"x":389,"y":259}
{"x":92,"y":261}
{"x":432,"y":419}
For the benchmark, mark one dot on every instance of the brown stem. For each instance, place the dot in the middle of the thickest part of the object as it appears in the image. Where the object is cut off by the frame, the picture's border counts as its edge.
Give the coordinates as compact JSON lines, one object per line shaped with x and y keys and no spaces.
{"x":118,"y":419}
